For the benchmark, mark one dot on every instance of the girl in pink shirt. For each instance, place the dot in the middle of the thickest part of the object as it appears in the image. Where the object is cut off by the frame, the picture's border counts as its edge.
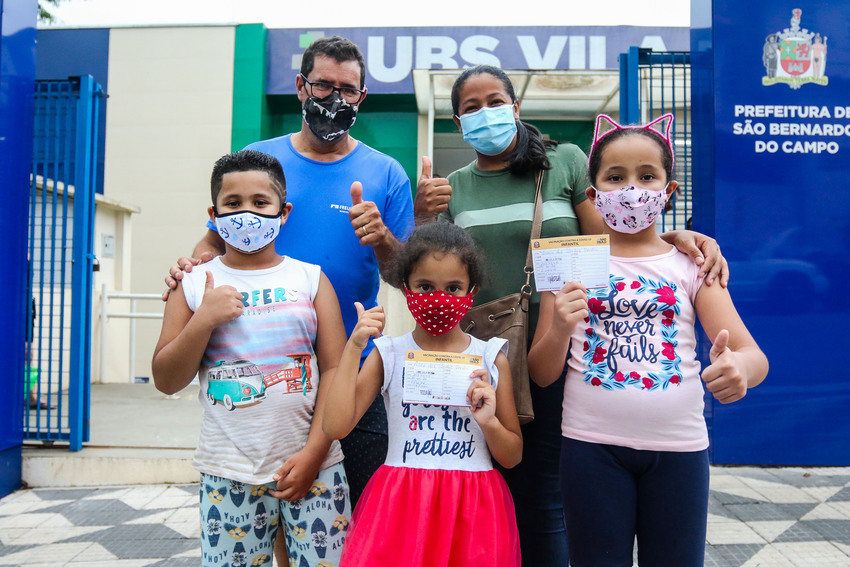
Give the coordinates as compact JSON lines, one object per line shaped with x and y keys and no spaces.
{"x":634,"y":459}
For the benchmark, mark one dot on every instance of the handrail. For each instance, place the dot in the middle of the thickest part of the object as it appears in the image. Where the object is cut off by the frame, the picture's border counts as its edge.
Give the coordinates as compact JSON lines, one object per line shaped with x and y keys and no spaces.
{"x":132,"y":315}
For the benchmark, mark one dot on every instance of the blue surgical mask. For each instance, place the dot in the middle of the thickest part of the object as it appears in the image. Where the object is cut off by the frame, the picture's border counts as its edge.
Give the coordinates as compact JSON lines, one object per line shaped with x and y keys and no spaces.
{"x":248,"y":231}
{"x":489,"y":130}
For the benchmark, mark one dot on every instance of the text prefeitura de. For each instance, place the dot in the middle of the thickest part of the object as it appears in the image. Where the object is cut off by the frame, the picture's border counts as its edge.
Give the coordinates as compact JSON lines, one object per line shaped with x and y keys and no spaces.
{"x":790,"y":111}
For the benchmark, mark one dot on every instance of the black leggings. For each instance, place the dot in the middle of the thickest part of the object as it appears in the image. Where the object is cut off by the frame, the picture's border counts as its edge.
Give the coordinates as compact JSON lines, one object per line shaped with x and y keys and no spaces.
{"x":613,"y":494}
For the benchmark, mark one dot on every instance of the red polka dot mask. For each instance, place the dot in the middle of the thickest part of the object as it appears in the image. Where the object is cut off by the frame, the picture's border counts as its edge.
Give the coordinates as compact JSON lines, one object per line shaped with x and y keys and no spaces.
{"x":437,"y":311}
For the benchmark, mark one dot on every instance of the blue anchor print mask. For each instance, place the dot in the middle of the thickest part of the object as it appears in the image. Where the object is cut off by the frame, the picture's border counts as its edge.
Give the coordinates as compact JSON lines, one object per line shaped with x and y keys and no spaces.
{"x":248,"y":231}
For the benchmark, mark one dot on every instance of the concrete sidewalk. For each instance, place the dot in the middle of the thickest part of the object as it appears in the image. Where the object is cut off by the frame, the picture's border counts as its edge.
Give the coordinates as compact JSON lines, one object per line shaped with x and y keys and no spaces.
{"x":121,"y":501}
{"x":138,"y":436}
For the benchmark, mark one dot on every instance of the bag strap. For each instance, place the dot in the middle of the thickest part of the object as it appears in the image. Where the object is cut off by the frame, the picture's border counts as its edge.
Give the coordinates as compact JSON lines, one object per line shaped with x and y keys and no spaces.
{"x":536,"y":224}
{"x":537,"y":220}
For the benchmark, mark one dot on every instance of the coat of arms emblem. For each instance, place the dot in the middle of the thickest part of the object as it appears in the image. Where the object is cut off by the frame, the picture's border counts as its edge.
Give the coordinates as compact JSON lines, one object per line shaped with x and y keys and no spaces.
{"x":795,"y":56}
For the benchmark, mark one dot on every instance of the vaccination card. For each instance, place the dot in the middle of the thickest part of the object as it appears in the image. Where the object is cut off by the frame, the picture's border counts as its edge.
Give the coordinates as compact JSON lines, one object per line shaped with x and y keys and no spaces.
{"x":584,"y":259}
{"x":438,"y":378}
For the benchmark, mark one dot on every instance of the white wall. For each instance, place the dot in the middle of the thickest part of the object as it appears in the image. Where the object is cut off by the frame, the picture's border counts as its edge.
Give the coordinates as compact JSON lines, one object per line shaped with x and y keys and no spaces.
{"x":168,"y":120}
{"x":53,"y":236}
{"x":112,"y":219}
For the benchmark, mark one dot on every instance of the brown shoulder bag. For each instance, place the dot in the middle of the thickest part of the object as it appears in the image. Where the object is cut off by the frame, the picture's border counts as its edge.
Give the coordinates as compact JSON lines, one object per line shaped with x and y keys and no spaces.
{"x":507,"y":318}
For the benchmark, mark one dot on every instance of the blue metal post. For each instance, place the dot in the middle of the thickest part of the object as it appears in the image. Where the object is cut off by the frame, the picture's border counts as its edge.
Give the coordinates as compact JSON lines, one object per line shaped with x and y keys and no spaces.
{"x":625,"y":85}
{"x":17,"y":75}
{"x":630,"y":106}
{"x":81,"y":273}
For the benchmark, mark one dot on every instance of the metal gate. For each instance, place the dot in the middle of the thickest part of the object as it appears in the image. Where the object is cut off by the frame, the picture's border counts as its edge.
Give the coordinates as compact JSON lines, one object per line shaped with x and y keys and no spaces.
{"x":61,"y":260}
{"x":652,"y":84}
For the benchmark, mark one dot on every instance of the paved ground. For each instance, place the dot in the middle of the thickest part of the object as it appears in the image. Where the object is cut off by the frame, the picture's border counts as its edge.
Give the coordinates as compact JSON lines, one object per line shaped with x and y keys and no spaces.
{"x":779,"y":517}
{"x":759,"y":517}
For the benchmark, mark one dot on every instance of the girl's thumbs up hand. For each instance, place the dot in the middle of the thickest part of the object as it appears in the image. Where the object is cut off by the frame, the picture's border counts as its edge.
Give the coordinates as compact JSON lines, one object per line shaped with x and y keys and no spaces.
{"x":723,"y":378}
{"x":220,"y":305}
{"x":720,"y":345}
{"x":369,"y":324}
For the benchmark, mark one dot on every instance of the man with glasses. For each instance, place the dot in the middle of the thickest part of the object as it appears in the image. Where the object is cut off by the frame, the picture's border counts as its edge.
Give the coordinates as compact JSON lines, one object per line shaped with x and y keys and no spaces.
{"x":351,"y":206}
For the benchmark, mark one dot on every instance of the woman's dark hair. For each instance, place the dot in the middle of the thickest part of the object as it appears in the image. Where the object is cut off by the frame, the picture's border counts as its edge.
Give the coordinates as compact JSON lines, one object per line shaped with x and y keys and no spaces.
{"x":612,"y":135}
{"x":248,"y":160}
{"x":439,"y":236}
{"x":530,"y":150}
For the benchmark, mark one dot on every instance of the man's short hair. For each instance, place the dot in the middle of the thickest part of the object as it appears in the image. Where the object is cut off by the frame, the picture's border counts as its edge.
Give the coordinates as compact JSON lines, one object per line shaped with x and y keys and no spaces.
{"x":337,"y":48}
{"x":248,"y":160}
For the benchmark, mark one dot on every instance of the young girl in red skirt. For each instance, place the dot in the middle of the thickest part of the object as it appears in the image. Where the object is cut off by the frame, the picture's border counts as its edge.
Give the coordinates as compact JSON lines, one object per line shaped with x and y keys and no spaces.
{"x":437,"y":500}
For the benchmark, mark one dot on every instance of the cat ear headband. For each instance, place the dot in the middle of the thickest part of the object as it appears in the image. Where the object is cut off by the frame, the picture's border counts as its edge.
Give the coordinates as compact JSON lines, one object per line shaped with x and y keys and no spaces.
{"x":663,"y":130}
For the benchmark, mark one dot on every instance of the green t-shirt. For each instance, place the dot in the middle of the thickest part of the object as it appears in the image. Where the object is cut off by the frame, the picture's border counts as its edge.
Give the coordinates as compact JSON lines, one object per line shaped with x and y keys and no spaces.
{"x":497,"y":207}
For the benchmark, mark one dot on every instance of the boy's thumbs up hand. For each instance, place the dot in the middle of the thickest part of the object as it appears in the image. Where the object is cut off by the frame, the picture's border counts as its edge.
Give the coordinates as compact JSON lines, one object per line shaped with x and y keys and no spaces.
{"x":365,"y":218}
{"x":432,"y":194}
{"x":220,"y":305}
{"x":723,"y":378}
{"x":369,"y":324}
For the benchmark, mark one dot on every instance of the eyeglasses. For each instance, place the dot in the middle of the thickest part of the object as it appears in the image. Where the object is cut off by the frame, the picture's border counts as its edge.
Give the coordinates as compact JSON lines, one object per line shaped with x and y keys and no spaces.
{"x":321,"y":90}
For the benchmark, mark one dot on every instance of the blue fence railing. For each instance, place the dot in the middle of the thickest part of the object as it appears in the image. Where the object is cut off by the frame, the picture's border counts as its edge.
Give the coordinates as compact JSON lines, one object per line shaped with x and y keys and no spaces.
{"x":61,"y":222}
{"x":656,"y":83}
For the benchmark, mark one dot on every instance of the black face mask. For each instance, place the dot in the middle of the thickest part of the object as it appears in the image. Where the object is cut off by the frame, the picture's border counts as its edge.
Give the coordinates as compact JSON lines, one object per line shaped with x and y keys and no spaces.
{"x":329,"y":117}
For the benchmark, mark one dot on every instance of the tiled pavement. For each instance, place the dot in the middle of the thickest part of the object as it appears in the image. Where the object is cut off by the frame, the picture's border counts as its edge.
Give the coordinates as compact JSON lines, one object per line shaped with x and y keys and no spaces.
{"x":758,"y":517}
{"x":779,"y":517}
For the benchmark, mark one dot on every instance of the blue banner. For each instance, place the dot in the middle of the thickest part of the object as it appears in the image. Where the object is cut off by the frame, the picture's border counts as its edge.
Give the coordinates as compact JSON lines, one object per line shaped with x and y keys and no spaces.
{"x":778,"y":110}
{"x":392,"y":53}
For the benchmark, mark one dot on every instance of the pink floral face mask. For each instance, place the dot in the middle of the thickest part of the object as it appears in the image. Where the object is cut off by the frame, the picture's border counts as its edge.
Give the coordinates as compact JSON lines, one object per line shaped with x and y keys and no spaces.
{"x":437,"y":311}
{"x":630,"y":209}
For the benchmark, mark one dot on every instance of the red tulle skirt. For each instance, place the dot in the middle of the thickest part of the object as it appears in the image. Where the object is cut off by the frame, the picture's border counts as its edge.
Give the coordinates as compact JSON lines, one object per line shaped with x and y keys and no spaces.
{"x":433,"y":518}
